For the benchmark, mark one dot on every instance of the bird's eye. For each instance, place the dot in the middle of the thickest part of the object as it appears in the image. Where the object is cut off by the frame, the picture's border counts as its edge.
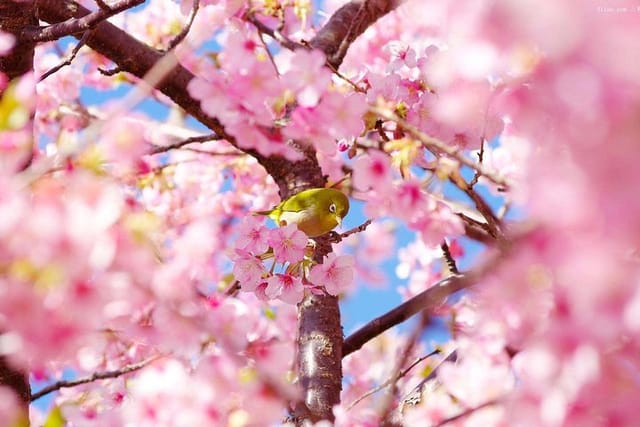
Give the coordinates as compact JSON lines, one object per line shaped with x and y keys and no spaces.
{"x":332,"y":208}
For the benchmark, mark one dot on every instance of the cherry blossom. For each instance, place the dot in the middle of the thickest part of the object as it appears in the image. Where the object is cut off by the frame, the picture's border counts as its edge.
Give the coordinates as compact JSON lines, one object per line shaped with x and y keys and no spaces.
{"x":284,"y":287}
{"x":288,"y":243}
{"x":507,"y":130}
{"x":335,"y":273}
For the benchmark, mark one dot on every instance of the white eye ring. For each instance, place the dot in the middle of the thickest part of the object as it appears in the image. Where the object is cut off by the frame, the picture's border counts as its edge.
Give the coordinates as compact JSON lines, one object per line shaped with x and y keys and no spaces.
{"x":332,"y":208}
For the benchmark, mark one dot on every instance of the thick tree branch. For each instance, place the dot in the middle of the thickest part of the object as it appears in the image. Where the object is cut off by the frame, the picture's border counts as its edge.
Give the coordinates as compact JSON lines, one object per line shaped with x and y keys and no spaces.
{"x":132,"y":56}
{"x":16,"y":380}
{"x":14,"y":17}
{"x":347,"y":24}
{"x":429,"y":298}
{"x":425,"y":300}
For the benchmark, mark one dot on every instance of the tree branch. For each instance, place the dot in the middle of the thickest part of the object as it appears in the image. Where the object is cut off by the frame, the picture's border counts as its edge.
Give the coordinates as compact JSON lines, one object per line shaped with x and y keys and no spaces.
{"x":403,"y":373}
{"x":185,"y":31}
{"x":93,"y":377}
{"x":414,"y":397}
{"x":466,"y":413}
{"x":186,"y":141}
{"x":386,"y":405}
{"x":77,"y":25}
{"x":347,"y":24}
{"x":132,"y":56}
{"x":14,"y":17}
{"x":423,"y":301}
{"x":70,"y":59}
{"x":440,"y":146}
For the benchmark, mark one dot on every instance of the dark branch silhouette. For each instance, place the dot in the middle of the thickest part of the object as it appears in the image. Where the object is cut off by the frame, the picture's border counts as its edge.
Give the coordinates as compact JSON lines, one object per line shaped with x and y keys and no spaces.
{"x":427,"y":299}
{"x":74,"y":26}
{"x":93,"y":377}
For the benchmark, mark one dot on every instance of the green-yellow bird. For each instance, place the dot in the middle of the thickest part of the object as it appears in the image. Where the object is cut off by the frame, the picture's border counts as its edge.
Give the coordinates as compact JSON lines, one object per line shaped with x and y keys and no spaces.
{"x":316,"y":211}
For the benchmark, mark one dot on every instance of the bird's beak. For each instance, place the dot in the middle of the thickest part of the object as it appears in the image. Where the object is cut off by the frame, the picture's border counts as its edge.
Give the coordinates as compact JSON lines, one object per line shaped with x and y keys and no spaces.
{"x":339,"y":220}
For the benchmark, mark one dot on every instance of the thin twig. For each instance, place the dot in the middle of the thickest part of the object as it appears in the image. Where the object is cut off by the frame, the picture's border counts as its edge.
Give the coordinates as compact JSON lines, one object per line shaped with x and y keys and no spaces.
{"x":93,"y":377}
{"x":345,"y":78}
{"x":446,"y":253}
{"x":183,"y":34}
{"x":215,"y":153}
{"x":71,"y":57}
{"x":77,"y":25}
{"x":269,"y":54}
{"x":387,"y":403}
{"x":483,"y":137}
{"x":233,"y":289}
{"x":337,"y":238}
{"x":402,"y":374}
{"x":482,"y":206}
{"x":274,"y":34}
{"x":187,"y":141}
{"x":438,"y":145}
{"x":415,"y":396}
{"x":476,"y":176}
{"x":466,"y":413}
{"x":110,"y":72}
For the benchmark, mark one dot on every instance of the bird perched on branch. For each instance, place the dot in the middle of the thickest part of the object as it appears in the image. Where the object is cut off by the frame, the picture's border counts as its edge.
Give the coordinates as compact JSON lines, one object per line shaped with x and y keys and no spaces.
{"x":315,"y":211}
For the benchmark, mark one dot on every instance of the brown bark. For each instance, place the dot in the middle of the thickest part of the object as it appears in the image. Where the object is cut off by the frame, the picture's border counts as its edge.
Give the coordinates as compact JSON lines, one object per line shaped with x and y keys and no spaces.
{"x":14,"y":17}
{"x":347,"y":24}
{"x":16,"y":380}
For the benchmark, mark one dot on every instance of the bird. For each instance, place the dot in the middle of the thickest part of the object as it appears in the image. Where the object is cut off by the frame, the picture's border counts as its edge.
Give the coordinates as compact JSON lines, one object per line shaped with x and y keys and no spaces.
{"x":315,"y":211}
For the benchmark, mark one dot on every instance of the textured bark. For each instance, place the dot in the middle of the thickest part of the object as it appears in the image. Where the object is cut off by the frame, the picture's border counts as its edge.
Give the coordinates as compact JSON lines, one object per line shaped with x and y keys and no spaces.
{"x":14,"y":16}
{"x":347,"y":24}
{"x":320,"y":347}
{"x":16,"y":380}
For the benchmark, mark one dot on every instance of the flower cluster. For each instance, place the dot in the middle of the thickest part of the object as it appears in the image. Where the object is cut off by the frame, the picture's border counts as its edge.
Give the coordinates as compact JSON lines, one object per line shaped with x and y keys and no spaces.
{"x":287,"y":246}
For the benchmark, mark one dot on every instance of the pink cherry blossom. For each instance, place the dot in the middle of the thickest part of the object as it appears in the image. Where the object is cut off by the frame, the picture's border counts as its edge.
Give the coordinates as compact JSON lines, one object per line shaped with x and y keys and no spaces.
{"x":285,"y":287}
{"x":335,"y":273}
{"x":252,"y":236}
{"x":288,"y":243}
{"x":372,"y":170}
{"x":248,"y":270}
{"x":307,"y":77}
